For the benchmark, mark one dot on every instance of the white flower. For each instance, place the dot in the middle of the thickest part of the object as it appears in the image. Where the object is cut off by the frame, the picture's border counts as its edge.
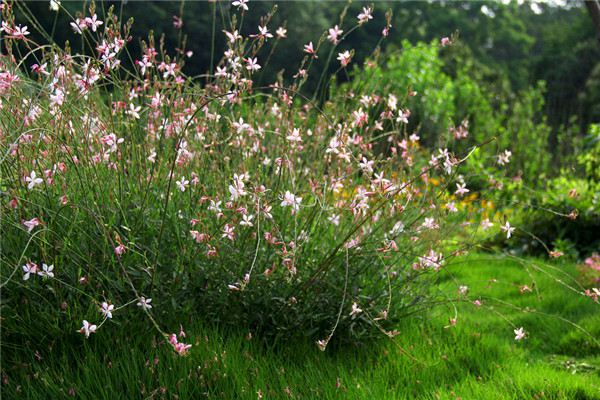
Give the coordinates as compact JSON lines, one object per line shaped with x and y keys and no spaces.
{"x":281,"y":32}
{"x":106,"y":309}
{"x":247,"y":220}
{"x":182,"y":184}
{"x":508,"y":229}
{"x":54,"y":5}
{"x":519,"y":333}
{"x":291,"y":200}
{"x":294,"y":136}
{"x":397,"y":228}
{"x":240,"y":4}
{"x":334,"y":219}
{"x":145,"y":303}
{"x":33,"y":180}
{"x":47,"y":271}
{"x":355,"y":310}
{"x":87,"y":329}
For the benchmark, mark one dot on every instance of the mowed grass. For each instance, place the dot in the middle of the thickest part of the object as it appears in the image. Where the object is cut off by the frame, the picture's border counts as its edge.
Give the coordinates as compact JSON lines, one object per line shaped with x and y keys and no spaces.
{"x":477,"y":358}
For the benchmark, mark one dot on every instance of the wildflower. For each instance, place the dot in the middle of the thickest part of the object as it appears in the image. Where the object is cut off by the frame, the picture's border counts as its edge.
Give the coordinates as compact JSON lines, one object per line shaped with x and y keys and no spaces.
{"x":322,"y":344}
{"x":54,"y":5}
{"x":366,"y":165}
{"x":365,"y":15}
{"x":355,"y":310}
{"x":145,"y":303}
{"x":504,"y":158}
{"x":106,"y":309}
{"x":508,"y":229}
{"x":29,"y":268}
{"x":309,"y":49}
{"x":228,"y":232}
{"x":451,"y":206}
{"x":46,"y":271}
{"x":119,"y":250}
{"x":397,"y":228}
{"x":556,"y":253}
{"x":461,"y":189}
{"x":334,"y":219}
{"x":403,"y":116}
{"x":344,"y":58}
{"x":18,"y":32}
{"x":134,"y":111}
{"x":334,"y":33}
{"x":252,"y":64}
{"x":429,"y":223}
{"x":237,"y":189}
{"x":291,"y":200}
{"x":31,"y":224}
{"x":594,"y":294}
{"x":294,"y":136}
{"x":263,"y":33}
{"x":281,"y":32}
{"x":445,"y":41}
{"x":463,"y":289}
{"x":33,"y":180}
{"x":241,"y":4}
{"x":182,"y":184}
{"x":519,"y":333}
{"x":523,"y":289}
{"x":485,"y":224}
{"x":93,"y":23}
{"x":180,"y":348}
{"x":247,"y":220}
{"x":232,"y":36}
{"x":87,"y":329}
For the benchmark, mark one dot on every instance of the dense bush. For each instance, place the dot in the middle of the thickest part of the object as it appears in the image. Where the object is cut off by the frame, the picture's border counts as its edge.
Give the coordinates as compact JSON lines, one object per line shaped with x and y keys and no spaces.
{"x":250,"y":206}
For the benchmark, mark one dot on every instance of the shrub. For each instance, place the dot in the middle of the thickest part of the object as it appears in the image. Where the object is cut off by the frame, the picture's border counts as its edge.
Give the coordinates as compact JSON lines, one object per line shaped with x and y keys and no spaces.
{"x":248,"y":206}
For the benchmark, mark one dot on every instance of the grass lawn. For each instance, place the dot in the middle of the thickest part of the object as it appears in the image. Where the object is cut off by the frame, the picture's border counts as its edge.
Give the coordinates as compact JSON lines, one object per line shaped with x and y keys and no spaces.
{"x":477,"y":358}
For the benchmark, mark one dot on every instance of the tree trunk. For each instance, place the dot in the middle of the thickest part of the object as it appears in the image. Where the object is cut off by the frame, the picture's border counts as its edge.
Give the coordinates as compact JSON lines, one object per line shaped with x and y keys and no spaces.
{"x":593,"y":7}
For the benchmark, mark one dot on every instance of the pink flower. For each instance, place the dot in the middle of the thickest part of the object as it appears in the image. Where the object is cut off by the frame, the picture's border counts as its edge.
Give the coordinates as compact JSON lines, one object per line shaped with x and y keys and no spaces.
{"x":308,"y":48}
{"x":334,"y":33}
{"x":344,"y":58}
{"x":594,"y":294}
{"x":365,"y":15}
{"x":180,"y":348}
{"x":29,"y":268}
{"x":31,"y":224}
{"x":461,"y":189}
{"x":119,"y":250}
{"x":445,"y":41}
